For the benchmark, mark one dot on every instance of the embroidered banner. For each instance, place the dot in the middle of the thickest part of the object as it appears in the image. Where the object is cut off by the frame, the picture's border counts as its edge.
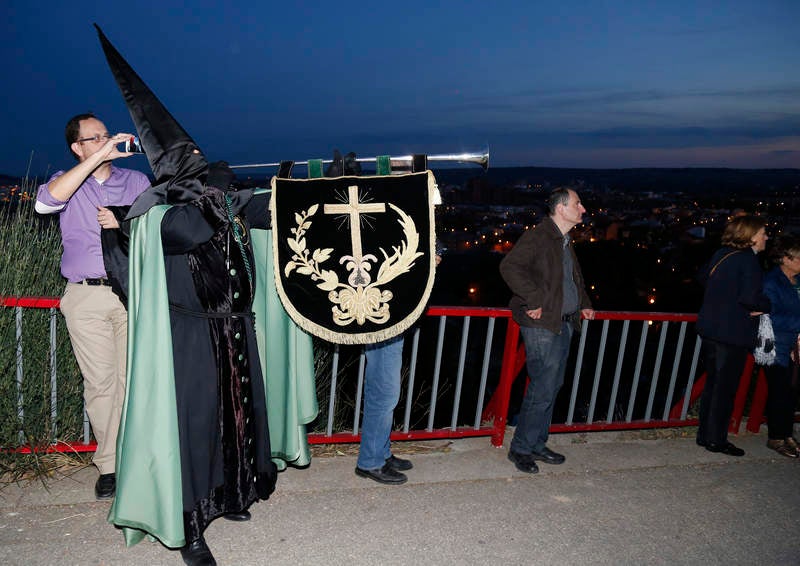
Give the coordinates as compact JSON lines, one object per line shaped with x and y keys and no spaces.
{"x":354,"y":256}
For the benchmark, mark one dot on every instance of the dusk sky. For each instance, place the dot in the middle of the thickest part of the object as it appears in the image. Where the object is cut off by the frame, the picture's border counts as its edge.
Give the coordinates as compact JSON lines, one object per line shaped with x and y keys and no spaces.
{"x":590,"y":83}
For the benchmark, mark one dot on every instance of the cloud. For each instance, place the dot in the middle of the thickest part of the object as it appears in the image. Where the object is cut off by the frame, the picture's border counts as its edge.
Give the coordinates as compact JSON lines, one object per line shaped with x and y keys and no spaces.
{"x":784,"y":153}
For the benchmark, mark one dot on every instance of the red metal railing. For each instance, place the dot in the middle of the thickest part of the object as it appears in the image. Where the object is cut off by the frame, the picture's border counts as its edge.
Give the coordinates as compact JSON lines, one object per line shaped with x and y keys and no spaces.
{"x":496,"y":430}
{"x":513,"y":361}
{"x":498,"y":405}
{"x":30,"y":302}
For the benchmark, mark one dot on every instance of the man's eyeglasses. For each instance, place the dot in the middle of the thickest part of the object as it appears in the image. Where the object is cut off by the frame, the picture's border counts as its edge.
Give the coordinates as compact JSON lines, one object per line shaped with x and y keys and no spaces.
{"x":97,"y":138}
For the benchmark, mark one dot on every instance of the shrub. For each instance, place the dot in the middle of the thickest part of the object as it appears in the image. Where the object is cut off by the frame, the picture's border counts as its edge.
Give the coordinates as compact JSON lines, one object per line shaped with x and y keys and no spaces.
{"x":32,"y":411}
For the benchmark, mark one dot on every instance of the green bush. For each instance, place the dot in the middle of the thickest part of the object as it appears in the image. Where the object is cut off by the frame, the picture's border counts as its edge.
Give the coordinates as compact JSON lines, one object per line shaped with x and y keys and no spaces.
{"x":29,"y":266}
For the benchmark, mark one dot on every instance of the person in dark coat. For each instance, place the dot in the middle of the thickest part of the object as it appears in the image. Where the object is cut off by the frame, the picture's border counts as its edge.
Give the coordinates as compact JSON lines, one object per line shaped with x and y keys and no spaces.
{"x":728,"y":324}
{"x":549,"y":299}
{"x":782,"y":287}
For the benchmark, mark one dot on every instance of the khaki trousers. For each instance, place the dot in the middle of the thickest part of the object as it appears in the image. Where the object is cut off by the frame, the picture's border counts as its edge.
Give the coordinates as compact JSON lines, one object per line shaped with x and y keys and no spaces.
{"x":98,"y":329}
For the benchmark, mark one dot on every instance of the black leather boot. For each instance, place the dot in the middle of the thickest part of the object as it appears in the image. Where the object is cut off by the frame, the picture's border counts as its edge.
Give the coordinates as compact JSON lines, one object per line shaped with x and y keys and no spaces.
{"x":237,"y":516}
{"x":197,"y":553}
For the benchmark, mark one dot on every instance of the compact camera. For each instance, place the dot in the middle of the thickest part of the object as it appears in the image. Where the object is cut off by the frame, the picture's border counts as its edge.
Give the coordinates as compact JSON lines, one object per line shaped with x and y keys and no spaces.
{"x":133,"y":145}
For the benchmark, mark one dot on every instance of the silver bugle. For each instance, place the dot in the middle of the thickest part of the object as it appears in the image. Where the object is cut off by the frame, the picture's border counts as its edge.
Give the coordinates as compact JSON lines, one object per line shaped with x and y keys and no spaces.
{"x":481,"y":159}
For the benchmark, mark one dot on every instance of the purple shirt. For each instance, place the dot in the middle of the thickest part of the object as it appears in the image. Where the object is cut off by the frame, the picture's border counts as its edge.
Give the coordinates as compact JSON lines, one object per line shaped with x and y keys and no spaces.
{"x":80,"y":231}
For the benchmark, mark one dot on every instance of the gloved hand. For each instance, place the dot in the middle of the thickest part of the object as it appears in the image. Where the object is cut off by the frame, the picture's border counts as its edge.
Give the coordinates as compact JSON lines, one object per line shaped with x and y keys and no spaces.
{"x":336,"y":168}
{"x":351,"y":166}
{"x":220,"y":175}
{"x":346,"y":165}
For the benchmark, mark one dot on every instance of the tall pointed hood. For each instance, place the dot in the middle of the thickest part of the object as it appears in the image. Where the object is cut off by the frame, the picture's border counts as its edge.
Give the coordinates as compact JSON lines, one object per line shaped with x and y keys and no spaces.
{"x":179,"y":167}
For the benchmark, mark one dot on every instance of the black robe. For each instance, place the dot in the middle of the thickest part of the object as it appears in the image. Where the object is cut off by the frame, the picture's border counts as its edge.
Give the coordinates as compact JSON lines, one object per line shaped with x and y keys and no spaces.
{"x":222,"y":416}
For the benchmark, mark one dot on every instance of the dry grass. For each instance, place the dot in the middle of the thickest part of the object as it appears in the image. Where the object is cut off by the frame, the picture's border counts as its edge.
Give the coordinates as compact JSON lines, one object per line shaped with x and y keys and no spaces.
{"x":636,"y":434}
{"x":421,"y":447}
{"x":660,"y":433}
{"x":26,"y":468}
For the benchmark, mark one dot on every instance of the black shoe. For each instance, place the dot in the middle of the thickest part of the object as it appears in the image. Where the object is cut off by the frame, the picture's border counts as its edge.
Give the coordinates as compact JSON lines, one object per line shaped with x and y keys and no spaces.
{"x":548,"y":456}
{"x":240,"y":516}
{"x":386,"y":474}
{"x":106,"y":486}
{"x":700,"y":441}
{"x":726,"y":448}
{"x":197,"y":553}
{"x":523,"y":462}
{"x":399,"y":464}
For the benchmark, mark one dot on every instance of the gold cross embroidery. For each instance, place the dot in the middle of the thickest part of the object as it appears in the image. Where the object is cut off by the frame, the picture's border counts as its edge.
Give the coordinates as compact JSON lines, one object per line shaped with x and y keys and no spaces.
{"x":354,"y":209}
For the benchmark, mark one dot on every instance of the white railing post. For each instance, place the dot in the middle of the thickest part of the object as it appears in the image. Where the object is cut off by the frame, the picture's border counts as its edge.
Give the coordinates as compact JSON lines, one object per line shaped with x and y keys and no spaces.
{"x":20,"y":399}
{"x":487,"y":354}
{"x":462,"y":354}
{"x":436,"y":370}
{"x":53,"y":376}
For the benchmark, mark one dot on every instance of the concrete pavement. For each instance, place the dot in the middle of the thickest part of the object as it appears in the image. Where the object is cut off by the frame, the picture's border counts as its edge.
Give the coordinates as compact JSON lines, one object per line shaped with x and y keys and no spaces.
{"x":618,"y":499}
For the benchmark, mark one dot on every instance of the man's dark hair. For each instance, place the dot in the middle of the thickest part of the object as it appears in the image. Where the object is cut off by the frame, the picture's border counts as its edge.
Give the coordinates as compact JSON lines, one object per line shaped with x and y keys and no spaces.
{"x":558,"y":196}
{"x":785,"y":246}
{"x":73,"y":130}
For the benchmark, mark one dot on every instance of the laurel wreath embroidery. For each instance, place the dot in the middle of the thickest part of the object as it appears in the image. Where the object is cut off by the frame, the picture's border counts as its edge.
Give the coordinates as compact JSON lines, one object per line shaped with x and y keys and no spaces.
{"x":359,"y":302}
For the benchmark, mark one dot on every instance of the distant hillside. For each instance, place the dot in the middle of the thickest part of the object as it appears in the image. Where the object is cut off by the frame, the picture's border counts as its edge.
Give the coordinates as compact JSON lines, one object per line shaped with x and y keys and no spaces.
{"x":661,"y":180}
{"x":6,"y":180}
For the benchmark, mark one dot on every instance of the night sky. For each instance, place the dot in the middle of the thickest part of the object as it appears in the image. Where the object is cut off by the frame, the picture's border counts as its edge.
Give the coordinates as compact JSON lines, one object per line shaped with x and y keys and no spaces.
{"x":589,"y":83}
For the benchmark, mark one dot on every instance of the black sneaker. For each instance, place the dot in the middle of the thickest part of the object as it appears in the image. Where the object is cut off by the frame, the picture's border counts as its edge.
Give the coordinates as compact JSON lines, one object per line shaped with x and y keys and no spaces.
{"x":523,"y":462}
{"x":399,"y":464}
{"x":106,"y":486}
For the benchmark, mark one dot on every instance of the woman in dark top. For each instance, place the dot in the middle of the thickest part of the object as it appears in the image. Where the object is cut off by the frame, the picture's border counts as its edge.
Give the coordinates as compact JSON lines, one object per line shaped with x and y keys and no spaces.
{"x":728,"y":324}
{"x":781,"y":286}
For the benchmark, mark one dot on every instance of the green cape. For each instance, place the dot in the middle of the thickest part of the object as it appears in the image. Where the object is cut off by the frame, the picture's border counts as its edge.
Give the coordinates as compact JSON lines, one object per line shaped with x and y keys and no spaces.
{"x":148,"y":499}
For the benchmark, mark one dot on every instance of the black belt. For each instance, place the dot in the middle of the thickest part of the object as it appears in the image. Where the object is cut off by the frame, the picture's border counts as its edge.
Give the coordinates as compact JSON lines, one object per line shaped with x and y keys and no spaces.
{"x":95,"y":282}
{"x":205,"y":314}
{"x":569,"y":317}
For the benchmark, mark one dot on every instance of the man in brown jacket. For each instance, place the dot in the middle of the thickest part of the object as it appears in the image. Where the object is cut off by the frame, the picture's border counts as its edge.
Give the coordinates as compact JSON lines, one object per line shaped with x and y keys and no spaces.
{"x":548,"y":300}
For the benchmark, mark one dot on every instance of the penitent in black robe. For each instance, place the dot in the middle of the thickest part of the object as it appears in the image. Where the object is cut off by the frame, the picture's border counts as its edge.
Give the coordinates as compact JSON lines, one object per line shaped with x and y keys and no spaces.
{"x":222,"y":416}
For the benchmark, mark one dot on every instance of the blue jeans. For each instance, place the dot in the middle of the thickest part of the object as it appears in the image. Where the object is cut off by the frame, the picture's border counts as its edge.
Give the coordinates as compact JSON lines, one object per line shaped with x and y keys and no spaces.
{"x":381,"y":394}
{"x":546,"y":359}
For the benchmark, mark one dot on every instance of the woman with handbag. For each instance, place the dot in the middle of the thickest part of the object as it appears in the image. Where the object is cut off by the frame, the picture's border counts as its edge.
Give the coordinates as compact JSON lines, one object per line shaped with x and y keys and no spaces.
{"x":781,"y":285}
{"x":728,"y":323}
